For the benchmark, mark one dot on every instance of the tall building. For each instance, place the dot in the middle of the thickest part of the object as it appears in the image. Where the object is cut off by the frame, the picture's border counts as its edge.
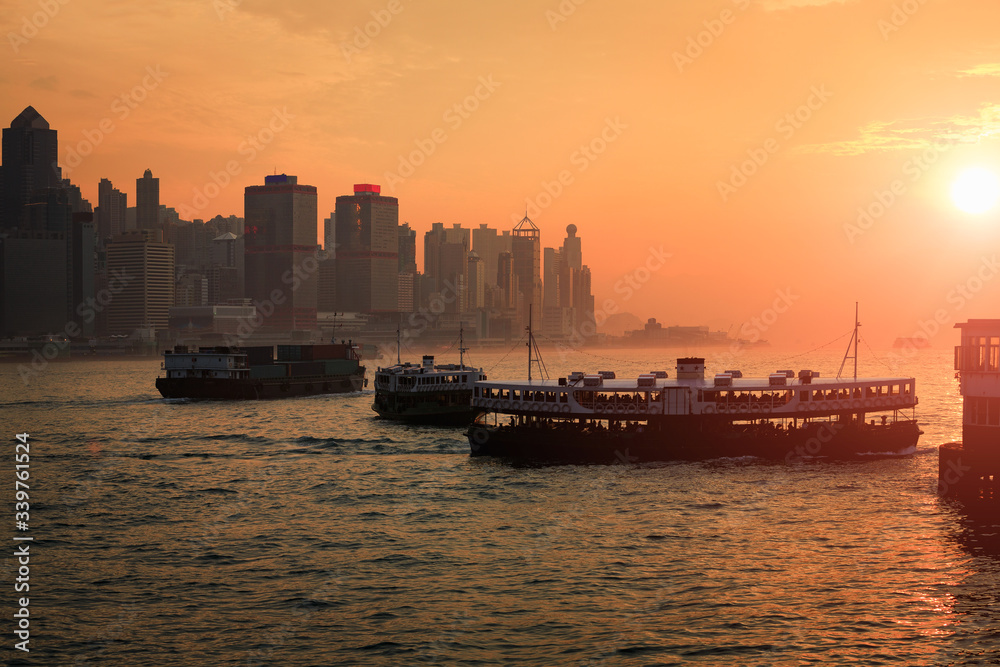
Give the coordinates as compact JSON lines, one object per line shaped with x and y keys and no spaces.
{"x":477,"y":282}
{"x":327,"y":290}
{"x":112,"y":208}
{"x":33,"y":283}
{"x":30,"y":163}
{"x":367,"y":227}
{"x":446,"y":261}
{"x":281,"y":252}
{"x":526,"y":248}
{"x":147,"y":202}
{"x":407,"y":249}
{"x":488,"y":244}
{"x":145,"y":300}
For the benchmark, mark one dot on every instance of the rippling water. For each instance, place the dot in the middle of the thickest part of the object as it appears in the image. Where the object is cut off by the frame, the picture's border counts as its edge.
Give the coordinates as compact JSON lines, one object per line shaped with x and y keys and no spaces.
{"x":306,"y":531}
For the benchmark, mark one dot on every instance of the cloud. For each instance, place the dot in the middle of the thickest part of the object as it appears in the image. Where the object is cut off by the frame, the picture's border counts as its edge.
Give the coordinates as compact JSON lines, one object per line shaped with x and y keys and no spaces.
{"x":986,"y":69}
{"x":916,"y":134}
{"x":45,"y":82}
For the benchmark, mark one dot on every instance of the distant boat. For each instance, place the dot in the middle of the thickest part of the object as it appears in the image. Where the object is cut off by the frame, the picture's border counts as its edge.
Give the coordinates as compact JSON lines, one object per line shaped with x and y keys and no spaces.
{"x":426,"y":393}
{"x":223,"y":372}
{"x":918,"y":342}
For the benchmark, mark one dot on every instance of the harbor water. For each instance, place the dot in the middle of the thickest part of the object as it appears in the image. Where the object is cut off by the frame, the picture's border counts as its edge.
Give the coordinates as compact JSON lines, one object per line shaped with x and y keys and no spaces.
{"x":307,"y":531}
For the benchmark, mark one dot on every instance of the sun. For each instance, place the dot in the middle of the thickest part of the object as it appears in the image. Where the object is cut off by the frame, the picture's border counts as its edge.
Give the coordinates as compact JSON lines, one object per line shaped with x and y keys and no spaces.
{"x":975,"y":190}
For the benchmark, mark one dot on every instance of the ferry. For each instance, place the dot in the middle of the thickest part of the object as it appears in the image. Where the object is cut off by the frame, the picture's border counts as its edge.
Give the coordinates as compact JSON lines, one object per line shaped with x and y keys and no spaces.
{"x":223,"y":372}
{"x":786,"y":415}
{"x":426,"y":393}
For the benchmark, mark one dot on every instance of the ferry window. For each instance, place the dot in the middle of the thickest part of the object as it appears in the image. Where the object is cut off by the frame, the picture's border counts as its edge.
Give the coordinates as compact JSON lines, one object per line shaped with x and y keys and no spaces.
{"x":994,"y":354}
{"x":993,"y":405}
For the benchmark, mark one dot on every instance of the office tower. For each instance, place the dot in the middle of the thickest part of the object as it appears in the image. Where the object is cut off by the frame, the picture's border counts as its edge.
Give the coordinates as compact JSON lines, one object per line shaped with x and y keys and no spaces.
{"x":112,"y":206}
{"x":145,"y":265}
{"x":82,"y":243}
{"x":477,"y":282}
{"x":281,"y":266}
{"x":550,"y":277}
{"x":507,"y":281}
{"x":33,"y":283}
{"x":407,"y":249}
{"x":30,"y":155}
{"x":367,"y":228}
{"x":147,"y":202}
{"x":225,"y":269}
{"x":327,"y":290}
{"x":446,"y":260}
{"x":526,"y":249}
{"x":488,"y":244}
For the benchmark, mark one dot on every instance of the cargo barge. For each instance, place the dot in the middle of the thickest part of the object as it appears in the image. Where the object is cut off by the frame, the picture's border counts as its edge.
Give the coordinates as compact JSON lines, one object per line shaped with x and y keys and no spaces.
{"x":256,"y":372}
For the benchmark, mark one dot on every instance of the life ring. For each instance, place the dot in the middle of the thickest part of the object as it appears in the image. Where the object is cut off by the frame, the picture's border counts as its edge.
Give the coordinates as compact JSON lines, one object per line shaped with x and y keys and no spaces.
{"x":620,"y":409}
{"x":505,"y":405}
{"x":480,"y":436}
{"x":721,"y":407}
{"x":565,"y":408}
{"x":601,"y":407}
{"x":709,"y":409}
{"x":744,"y":407}
{"x":654,"y":409}
{"x":754,"y":407}
{"x":643,"y":408}
{"x":631,"y":409}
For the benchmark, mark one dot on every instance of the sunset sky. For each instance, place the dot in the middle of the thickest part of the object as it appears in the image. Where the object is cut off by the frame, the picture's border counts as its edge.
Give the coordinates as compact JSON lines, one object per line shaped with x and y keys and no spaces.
{"x":741,"y":137}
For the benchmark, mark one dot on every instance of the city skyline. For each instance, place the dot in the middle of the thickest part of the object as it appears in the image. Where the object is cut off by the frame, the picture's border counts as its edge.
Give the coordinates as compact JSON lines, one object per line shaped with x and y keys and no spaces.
{"x":823,"y":163}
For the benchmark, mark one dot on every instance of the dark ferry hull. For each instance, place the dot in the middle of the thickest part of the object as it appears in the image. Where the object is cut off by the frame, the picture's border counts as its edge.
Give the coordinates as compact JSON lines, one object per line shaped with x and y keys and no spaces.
{"x":438,"y":408}
{"x":252,"y":389}
{"x":690,"y":438}
{"x":431,"y":417}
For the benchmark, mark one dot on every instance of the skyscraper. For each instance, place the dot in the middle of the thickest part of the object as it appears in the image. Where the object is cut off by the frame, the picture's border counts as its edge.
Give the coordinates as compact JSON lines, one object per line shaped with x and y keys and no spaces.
{"x":488,"y":244}
{"x":526,"y":248}
{"x":147,"y":201}
{"x":446,"y":260}
{"x":148,"y":294}
{"x":281,"y":266}
{"x":30,"y":155}
{"x":112,"y":205}
{"x":367,"y":251}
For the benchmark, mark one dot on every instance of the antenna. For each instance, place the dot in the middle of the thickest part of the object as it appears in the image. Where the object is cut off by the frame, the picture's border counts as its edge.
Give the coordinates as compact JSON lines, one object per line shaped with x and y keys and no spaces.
{"x":854,"y":342}
{"x":461,"y":347}
{"x":533,"y":347}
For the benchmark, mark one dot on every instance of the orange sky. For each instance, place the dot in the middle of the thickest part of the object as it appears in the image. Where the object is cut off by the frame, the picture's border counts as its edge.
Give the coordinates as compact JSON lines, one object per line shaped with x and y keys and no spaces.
{"x":670,"y":97}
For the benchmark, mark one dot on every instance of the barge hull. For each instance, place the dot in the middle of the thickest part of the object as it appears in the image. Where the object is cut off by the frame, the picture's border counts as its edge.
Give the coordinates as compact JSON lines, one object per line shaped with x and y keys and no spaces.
{"x":239,"y":389}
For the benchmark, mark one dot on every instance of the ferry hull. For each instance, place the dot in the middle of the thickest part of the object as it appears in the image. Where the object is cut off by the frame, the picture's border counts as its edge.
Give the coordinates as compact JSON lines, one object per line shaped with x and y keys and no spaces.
{"x":690,"y":439}
{"x":441,"y":417}
{"x":232,"y":389}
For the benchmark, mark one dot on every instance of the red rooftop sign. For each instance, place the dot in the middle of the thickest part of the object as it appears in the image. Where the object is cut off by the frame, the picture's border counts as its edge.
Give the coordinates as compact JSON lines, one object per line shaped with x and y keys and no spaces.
{"x":361,"y":188}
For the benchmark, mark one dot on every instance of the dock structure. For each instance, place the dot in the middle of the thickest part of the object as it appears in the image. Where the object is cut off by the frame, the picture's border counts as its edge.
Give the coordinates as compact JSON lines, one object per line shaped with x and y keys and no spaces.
{"x":971,"y":468}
